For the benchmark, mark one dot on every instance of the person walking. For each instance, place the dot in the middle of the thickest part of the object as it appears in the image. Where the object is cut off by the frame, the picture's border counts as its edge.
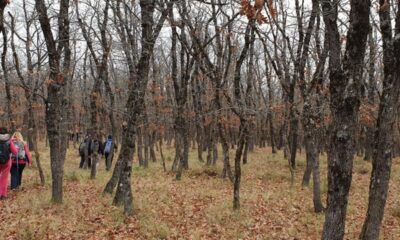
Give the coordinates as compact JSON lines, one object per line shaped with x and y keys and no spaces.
{"x":19,"y":160}
{"x":109,"y":147}
{"x":84,"y":152}
{"x":7,"y":148}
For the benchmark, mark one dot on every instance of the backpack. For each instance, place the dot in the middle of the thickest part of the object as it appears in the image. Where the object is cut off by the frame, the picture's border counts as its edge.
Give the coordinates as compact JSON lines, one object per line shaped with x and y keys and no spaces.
{"x":82,"y":148}
{"x":107,"y":148}
{"x":20,"y":150}
{"x":4,"y":152}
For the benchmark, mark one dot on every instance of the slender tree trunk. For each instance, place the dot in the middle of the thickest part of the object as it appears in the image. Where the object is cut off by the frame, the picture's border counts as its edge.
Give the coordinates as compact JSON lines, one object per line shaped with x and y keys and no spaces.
{"x":135,"y":103}
{"x":214,"y":149}
{"x":246,"y":149}
{"x":293,"y":134}
{"x":140,"y":147}
{"x":226,"y":172}
{"x":318,"y":207}
{"x":238,"y":170}
{"x":145,"y":135}
{"x":371,"y":96}
{"x":115,"y":176}
{"x":32,"y":128}
{"x":312,"y":154}
{"x":243,"y":131}
{"x":196,"y":88}
{"x":151,"y":147}
{"x":162,"y":156}
{"x":181,"y":93}
{"x":5,"y":74}
{"x":269,"y":116}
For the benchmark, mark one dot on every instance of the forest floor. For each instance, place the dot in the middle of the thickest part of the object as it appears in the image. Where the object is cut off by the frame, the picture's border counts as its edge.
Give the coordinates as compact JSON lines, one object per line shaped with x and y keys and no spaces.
{"x":197,"y":207}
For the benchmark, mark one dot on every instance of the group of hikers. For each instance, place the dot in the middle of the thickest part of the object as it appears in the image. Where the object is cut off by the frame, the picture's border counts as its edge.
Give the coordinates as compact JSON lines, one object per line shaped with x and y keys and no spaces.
{"x":14,"y":156}
{"x":88,"y":147}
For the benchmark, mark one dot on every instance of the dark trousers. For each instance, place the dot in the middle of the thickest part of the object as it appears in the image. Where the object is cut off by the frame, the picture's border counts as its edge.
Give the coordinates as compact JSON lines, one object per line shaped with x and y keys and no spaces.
{"x":109,"y":159}
{"x":16,"y":175}
{"x":82,"y":163}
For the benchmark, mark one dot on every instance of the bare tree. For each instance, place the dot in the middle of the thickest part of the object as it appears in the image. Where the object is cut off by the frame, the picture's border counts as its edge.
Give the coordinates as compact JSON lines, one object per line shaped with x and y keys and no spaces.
{"x":3,"y":4}
{"x":388,"y":111}
{"x":55,"y":102}
{"x":139,"y":79}
{"x":241,"y":112}
{"x":345,"y":85}
{"x":101,"y":77}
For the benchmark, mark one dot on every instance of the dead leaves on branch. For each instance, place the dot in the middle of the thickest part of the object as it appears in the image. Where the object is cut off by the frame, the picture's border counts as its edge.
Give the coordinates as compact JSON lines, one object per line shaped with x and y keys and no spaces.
{"x":253,"y":11}
{"x":59,"y":80}
{"x":368,"y":113}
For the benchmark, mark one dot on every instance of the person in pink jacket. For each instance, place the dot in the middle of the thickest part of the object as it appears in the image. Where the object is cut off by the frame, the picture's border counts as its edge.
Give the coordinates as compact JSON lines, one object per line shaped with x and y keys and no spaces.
{"x":19,"y":160}
{"x":6,"y":149}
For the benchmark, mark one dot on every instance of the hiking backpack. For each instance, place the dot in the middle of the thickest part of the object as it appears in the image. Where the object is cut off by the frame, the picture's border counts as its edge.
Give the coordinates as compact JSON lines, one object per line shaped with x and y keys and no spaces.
{"x":107,"y":148}
{"x":20,"y":150}
{"x":4,"y":152}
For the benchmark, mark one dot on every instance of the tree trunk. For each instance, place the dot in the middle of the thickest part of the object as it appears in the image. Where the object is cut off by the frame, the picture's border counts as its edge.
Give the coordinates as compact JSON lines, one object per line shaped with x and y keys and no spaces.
{"x":370,"y":132}
{"x":162,"y":156}
{"x":140,"y":146}
{"x":246,"y":149}
{"x":115,"y":176}
{"x":312,"y":154}
{"x":197,"y":103}
{"x":384,"y":139}
{"x":293,"y":135}
{"x":238,"y":170}
{"x":226,"y":172}
{"x":318,"y":207}
{"x":135,"y":103}
{"x":5,"y":72}
{"x":95,"y":159}
{"x":55,"y":103}
{"x":181,"y":92}
{"x":269,"y":116}
{"x":151,"y":147}
{"x":345,"y":82}
{"x":240,"y":112}
{"x":32,"y":129}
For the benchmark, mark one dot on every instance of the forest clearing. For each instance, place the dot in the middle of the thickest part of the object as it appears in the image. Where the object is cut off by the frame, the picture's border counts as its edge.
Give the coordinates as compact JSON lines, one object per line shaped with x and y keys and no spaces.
{"x":197,"y":207}
{"x":200,"y":119}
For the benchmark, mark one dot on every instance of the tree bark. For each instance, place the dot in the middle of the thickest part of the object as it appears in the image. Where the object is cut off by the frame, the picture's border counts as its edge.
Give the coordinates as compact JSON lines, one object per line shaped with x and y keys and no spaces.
{"x":135,"y":103}
{"x":240,"y":112}
{"x":345,"y":85}
{"x":5,"y":70}
{"x":370,"y":130}
{"x":384,"y":138}
{"x":55,"y":103}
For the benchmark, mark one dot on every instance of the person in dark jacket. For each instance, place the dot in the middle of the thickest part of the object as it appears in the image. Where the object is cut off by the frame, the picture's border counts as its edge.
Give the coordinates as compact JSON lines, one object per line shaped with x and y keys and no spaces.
{"x":108,"y":150}
{"x":85,"y":150}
